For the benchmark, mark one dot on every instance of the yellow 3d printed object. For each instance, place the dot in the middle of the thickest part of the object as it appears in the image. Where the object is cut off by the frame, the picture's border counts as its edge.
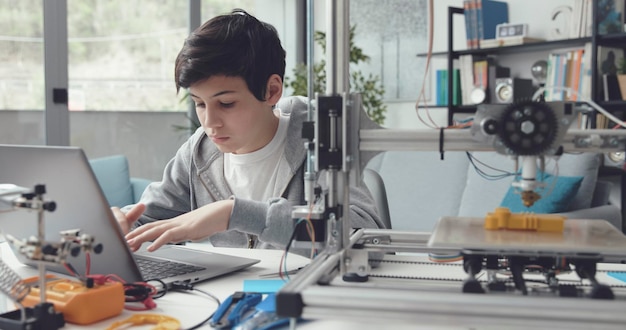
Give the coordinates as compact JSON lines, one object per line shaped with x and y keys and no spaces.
{"x":502,"y":218}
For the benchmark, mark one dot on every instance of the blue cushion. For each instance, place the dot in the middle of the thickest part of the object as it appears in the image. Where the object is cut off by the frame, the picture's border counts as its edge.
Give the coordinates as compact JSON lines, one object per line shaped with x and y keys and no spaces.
{"x":555,"y":198}
{"x":114,"y":178}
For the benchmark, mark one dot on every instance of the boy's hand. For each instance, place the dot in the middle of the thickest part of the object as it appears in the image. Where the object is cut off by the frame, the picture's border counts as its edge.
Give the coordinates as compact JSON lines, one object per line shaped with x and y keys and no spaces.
{"x":194,"y":225}
{"x":126,"y":220}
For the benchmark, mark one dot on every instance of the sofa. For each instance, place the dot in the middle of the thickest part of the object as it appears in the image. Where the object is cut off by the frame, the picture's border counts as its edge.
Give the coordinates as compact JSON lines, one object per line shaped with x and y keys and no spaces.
{"x":421,"y":188}
{"x":119,"y":188}
{"x":415,"y":188}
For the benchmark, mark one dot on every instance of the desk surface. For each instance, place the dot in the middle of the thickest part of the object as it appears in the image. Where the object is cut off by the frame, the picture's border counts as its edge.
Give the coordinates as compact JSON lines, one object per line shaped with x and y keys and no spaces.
{"x":191,"y":308}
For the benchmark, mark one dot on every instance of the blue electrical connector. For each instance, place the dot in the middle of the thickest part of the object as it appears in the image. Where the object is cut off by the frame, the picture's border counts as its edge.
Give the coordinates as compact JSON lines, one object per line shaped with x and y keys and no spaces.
{"x":234,"y":309}
{"x":248,"y":311}
{"x":264,"y":316}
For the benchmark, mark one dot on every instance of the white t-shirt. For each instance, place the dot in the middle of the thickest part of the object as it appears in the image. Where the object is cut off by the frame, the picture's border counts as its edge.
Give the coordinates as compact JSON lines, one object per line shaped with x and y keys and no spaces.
{"x":253,"y":175}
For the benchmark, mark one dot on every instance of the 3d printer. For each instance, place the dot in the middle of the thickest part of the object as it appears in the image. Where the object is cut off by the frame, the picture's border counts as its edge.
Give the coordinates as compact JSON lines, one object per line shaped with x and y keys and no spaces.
{"x":336,"y":284}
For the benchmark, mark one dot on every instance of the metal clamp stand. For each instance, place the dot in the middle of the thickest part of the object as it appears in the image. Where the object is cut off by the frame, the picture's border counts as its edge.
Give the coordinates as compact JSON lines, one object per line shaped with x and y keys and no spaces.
{"x":43,"y":316}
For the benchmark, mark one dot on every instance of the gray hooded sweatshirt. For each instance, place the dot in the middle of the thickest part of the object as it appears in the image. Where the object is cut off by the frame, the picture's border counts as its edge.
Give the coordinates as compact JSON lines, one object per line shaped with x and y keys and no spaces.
{"x":195,"y":177}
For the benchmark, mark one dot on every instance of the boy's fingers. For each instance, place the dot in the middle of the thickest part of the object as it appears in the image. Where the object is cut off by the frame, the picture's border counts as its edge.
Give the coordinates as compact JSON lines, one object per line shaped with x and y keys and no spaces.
{"x":135,"y":212}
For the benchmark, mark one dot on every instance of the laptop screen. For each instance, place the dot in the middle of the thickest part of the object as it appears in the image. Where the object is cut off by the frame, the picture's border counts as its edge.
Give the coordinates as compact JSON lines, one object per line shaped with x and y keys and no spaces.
{"x":80,"y":205}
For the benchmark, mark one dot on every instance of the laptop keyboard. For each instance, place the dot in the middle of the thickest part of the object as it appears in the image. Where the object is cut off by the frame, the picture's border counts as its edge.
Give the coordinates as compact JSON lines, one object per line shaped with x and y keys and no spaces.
{"x":158,"y":269}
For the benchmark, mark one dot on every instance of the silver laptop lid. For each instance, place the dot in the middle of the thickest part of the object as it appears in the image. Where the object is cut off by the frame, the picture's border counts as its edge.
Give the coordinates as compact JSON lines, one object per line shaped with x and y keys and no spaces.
{"x":80,"y":204}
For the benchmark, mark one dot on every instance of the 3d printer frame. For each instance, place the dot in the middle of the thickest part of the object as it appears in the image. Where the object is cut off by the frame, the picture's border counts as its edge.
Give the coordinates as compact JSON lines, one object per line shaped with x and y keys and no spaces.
{"x":336,"y":285}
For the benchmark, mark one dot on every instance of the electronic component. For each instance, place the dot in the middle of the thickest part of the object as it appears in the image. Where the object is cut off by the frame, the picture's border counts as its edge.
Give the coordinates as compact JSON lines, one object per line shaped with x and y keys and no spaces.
{"x":527,"y":130}
{"x":79,"y":303}
{"x":508,"y":30}
{"x":234,"y":309}
{"x":41,"y":316}
{"x":264,"y":316}
{"x":510,"y":89}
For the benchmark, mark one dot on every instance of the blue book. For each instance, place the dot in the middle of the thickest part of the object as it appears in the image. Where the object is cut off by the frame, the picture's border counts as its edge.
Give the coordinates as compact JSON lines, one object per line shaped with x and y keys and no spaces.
{"x":439,"y":87}
{"x":470,"y":20}
{"x":490,"y":13}
{"x":442,"y":87}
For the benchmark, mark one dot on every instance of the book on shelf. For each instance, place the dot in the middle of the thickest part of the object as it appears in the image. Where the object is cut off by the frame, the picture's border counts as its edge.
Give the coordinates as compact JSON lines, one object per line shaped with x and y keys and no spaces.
{"x":555,"y":77}
{"x":481,"y":19}
{"x":442,"y":87}
{"x":602,"y":121}
{"x":477,"y":79}
{"x":490,"y":13}
{"x":469,"y":13}
{"x":442,"y":81}
{"x":584,"y":122}
{"x":610,"y":16}
{"x":481,"y":74}
{"x":508,"y":41}
{"x":607,"y":59}
{"x":569,"y":75}
{"x":587,"y":24}
{"x":580,"y":24}
{"x":621,"y":80}
{"x":610,"y":87}
{"x":584,"y":86}
{"x":576,"y":19}
{"x":575,"y":74}
{"x":466,"y":69}
{"x":443,"y":90}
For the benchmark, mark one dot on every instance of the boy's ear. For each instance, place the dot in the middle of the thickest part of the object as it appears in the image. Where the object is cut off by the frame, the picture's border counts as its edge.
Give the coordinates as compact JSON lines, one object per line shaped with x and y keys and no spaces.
{"x":274,"y":89}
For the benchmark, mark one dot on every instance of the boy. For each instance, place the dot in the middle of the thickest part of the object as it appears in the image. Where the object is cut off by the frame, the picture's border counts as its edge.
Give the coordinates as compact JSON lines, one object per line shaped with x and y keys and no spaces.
{"x":237,"y":178}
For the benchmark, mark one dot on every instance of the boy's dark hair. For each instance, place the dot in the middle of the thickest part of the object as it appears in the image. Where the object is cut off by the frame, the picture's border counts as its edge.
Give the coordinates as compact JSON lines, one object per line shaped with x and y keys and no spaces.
{"x":234,"y":45}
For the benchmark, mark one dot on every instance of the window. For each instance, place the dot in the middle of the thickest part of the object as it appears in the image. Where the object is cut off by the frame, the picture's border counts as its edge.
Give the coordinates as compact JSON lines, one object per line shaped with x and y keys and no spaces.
{"x":212,"y":8}
{"x":392,"y":33}
{"x":21,"y":58}
{"x":120,"y":65}
{"x":121,"y":54}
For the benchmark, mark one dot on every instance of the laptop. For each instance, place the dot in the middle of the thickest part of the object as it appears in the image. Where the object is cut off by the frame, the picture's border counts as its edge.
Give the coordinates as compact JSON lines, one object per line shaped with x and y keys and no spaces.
{"x":81,"y":204}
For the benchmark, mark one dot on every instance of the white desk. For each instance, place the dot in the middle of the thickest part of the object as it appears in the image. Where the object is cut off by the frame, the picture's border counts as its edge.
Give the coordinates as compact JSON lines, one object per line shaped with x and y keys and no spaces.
{"x":191,"y":308}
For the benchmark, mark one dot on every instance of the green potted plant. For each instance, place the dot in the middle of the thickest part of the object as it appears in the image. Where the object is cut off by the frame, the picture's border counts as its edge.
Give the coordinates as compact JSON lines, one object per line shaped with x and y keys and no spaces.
{"x":369,"y":87}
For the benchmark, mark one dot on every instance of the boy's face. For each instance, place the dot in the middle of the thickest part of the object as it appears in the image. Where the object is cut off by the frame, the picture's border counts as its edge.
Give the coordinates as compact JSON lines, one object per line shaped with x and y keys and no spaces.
{"x":231,"y":116}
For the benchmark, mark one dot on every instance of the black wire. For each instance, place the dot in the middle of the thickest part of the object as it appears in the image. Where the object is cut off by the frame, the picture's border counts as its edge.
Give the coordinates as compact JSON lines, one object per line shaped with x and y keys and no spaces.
{"x":161,"y":292}
{"x":441,"y":143}
{"x":135,"y":292}
{"x":503,"y":174}
{"x":293,"y":235}
{"x":183,"y":286}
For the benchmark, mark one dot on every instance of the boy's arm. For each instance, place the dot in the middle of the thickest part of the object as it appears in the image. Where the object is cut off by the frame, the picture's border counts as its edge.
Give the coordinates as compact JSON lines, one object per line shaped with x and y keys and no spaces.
{"x":170,"y":197}
{"x":278,"y":225}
